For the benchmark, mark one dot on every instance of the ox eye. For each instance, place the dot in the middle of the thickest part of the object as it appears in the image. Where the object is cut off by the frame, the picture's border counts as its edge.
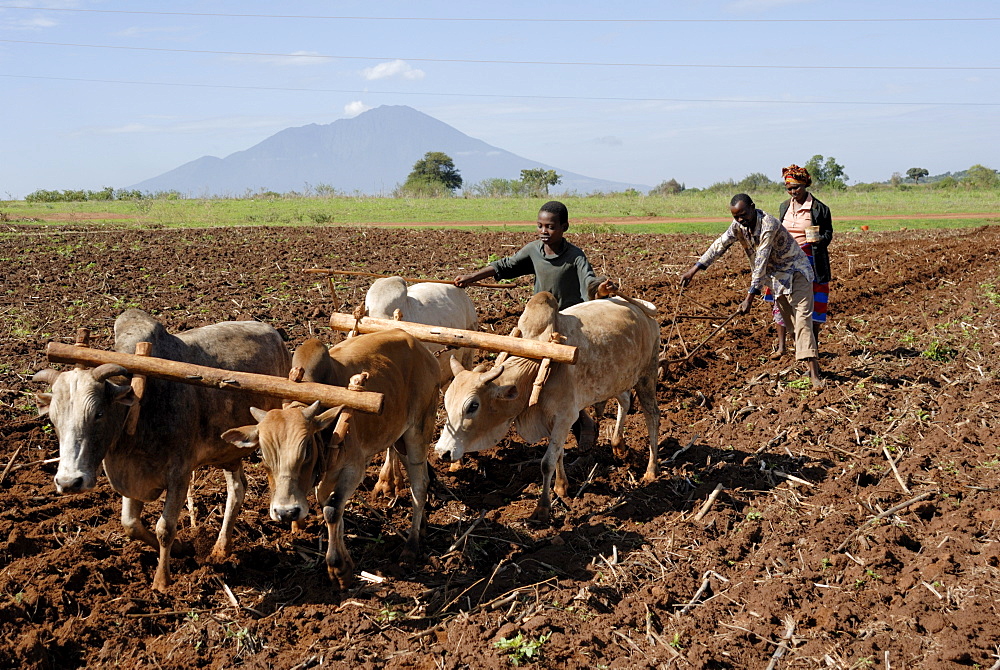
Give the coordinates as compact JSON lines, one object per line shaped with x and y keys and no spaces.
{"x":472,"y":407}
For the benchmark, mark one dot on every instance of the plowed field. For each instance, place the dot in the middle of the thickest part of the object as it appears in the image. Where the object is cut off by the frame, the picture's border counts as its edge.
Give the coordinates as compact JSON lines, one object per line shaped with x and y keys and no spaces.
{"x":857,"y":526}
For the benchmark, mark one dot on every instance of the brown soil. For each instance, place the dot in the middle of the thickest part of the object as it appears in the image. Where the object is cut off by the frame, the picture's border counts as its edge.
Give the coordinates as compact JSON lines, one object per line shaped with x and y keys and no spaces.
{"x":800,"y":554}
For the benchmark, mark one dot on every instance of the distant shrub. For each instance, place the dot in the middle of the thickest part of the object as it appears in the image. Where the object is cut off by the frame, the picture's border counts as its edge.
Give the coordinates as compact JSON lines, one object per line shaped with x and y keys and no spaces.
{"x":668,"y":187}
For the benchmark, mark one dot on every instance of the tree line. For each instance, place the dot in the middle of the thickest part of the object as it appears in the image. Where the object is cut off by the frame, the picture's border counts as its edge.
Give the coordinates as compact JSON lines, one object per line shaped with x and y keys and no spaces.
{"x":435,"y":175}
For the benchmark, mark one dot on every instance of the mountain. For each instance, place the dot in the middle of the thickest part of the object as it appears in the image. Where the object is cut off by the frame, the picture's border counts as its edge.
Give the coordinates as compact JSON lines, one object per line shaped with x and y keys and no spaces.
{"x":370,"y":153}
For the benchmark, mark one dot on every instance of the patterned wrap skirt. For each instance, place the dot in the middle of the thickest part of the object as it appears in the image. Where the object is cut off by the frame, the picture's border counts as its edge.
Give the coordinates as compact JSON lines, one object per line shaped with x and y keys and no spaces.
{"x":820,"y":295}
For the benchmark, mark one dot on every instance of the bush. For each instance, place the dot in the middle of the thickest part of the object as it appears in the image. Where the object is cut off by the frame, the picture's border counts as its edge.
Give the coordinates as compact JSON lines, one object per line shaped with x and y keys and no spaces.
{"x":669,"y":187}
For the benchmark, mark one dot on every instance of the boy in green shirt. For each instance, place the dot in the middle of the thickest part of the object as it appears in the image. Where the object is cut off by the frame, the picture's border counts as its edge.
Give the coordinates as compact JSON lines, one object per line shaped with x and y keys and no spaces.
{"x":560,"y":268}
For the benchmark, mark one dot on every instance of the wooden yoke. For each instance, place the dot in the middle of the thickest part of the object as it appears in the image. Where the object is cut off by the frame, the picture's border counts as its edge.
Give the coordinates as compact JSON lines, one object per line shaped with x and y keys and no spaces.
{"x":138,"y":389}
{"x":455,"y":337}
{"x":543,"y":372}
{"x":502,"y":356}
{"x":200,"y":375}
{"x":357,"y":383}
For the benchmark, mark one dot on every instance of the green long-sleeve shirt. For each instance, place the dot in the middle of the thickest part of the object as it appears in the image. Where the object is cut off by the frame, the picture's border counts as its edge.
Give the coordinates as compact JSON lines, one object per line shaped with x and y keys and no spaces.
{"x":566,"y":275}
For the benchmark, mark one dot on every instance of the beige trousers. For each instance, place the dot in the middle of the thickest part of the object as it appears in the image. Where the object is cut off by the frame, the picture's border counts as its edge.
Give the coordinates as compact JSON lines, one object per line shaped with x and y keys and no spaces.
{"x":796,"y":309}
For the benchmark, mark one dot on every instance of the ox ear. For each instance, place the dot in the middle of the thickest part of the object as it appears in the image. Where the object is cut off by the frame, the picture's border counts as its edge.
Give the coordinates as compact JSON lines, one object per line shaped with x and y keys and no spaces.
{"x":244,"y":437}
{"x":43,"y":400}
{"x":258,"y":414}
{"x":456,"y":366}
{"x":508,"y":392}
{"x":122,"y":394}
{"x":326,"y":419}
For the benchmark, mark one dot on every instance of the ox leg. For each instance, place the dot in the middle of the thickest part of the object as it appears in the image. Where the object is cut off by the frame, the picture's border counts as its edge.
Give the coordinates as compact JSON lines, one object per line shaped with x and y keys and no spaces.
{"x":646,"y":391}
{"x":552,"y":467}
{"x":417,"y":440}
{"x":166,"y":530}
{"x":236,"y":490}
{"x":624,"y":403}
{"x":339,"y":564}
{"x":599,"y":408}
{"x":135,"y":529}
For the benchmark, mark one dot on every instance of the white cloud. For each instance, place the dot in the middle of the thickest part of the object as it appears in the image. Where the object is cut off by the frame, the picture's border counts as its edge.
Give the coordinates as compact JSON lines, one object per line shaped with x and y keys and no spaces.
{"x":354,"y":108}
{"x":395,"y":68}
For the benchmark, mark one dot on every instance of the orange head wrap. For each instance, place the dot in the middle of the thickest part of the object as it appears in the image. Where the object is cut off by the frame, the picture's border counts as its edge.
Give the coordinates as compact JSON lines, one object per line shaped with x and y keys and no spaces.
{"x":793,"y":174}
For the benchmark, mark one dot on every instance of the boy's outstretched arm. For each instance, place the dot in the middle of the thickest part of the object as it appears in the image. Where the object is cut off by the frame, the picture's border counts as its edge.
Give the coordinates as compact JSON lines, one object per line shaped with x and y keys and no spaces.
{"x":487,"y":272}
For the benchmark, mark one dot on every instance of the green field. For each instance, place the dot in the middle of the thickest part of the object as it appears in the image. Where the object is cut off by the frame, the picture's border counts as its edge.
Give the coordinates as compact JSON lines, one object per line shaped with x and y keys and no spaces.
{"x":587,"y":213}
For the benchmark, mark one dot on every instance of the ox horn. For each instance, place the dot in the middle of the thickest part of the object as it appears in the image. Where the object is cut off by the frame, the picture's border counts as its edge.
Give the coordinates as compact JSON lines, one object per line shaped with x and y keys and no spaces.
{"x":310,"y":412}
{"x":48,"y":375}
{"x":492,"y":374}
{"x":103,"y":372}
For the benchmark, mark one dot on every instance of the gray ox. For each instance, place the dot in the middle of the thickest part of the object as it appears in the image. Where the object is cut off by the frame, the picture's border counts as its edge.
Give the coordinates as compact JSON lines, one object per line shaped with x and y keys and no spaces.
{"x":297,"y":454}
{"x":618,"y":349}
{"x":178,"y":427}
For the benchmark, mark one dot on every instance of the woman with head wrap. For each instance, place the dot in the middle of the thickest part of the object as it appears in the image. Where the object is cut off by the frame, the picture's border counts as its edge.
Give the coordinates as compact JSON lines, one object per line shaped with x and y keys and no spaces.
{"x":808,"y":220}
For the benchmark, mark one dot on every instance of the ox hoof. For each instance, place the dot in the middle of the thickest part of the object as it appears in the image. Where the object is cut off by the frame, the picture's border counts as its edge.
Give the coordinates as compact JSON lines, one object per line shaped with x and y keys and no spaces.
{"x":455,"y":466}
{"x":620,"y":452}
{"x":218,"y":555}
{"x":541,"y":516}
{"x":340,"y":581}
{"x":649,"y":478}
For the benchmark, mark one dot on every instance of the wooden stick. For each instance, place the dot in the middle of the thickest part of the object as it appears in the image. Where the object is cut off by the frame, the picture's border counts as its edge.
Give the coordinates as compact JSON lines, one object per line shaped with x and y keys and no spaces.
{"x":357,"y":383}
{"x":138,"y":389}
{"x":200,"y":375}
{"x":882,"y":515}
{"x":708,"y":503}
{"x":10,"y":464}
{"x":701,"y":589}
{"x":892,"y":465}
{"x":559,"y":353}
{"x":540,"y":378}
{"x":783,"y":645}
{"x":410,"y":280}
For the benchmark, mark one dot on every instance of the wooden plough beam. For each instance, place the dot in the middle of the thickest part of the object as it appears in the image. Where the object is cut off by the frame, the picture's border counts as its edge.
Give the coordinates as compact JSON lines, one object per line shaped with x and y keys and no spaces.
{"x":409,"y":280}
{"x":456,"y":337}
{"x":200,"y":375}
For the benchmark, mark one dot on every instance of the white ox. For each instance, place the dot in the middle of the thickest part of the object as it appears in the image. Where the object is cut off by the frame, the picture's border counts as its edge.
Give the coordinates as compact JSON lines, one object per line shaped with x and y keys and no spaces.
{"x":429,"y":303}
{"x":296,"y":452}
{"x":177,"y":430}
{"x":618,"y":348}
{"x":433,"y":304}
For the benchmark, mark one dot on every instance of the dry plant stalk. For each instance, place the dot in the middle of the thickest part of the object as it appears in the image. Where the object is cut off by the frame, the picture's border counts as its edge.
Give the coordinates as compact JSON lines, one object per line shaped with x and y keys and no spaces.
{"x":709,"y":502}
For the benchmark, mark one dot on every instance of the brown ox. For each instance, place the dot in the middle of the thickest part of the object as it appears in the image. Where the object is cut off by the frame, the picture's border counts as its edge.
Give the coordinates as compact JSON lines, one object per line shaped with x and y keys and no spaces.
{"x":178,"y":426}
{"x":296,"y":453}
{"x":618,"y":348}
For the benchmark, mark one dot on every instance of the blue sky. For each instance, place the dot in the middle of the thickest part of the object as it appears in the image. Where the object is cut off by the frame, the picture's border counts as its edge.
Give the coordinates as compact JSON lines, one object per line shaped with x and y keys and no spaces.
{"x":637,"y":92}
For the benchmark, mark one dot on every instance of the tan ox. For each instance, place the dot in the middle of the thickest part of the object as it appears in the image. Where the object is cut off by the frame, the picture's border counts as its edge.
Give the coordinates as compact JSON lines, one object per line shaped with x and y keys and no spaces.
{"x":618,"y":349}
{"x":297,"y":455}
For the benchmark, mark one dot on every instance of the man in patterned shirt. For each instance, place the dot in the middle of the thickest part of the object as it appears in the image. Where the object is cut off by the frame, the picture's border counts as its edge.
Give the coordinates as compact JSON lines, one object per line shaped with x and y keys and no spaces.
{"x":775,"y":256}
